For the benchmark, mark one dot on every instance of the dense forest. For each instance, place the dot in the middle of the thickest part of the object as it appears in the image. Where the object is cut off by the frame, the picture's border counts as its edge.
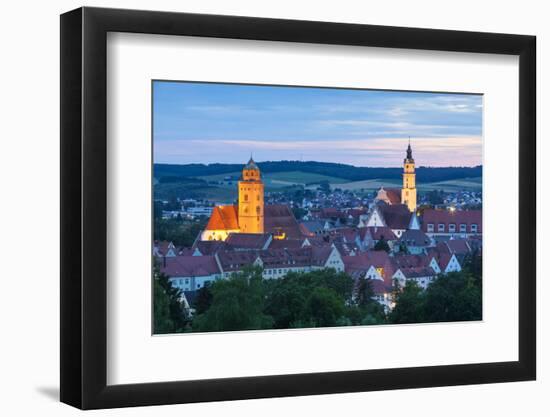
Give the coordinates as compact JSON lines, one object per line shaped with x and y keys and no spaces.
{"x":168,"y":173}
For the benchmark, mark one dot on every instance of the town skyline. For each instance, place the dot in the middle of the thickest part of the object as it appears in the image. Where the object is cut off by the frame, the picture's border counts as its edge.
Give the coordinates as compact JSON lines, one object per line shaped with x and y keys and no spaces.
{"x":219,"y":123}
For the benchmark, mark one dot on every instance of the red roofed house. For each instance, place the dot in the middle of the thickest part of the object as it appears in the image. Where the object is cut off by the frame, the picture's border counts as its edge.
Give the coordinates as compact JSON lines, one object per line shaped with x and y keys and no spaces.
{"x":247,"y":241}
{"x":397,"y":217}
{"x":389,"y":195}
{"x":422,"y":275}
{"x":164,"y":249}
{"x":416,"y":241}
{"x":376,"y":267}
{"x":190,"y":273}
{"x":455,"y":223}
{"x":276,"y":263}
{"x":369,"y":236}
{"x":446,"y":257}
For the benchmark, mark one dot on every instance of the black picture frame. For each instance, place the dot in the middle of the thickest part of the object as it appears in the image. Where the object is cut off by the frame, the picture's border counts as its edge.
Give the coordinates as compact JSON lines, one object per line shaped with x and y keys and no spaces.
{"x":84,"y":207}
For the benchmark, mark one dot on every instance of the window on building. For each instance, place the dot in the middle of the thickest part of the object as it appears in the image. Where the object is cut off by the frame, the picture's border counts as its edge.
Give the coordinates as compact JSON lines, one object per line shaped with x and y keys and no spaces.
{"x":463,"y":227}
{"x":430,"y":227}
{"x":473,"y":228}
{"x":441,"y":227}
{"x":246,"y":197}
{"x":452,"y":228}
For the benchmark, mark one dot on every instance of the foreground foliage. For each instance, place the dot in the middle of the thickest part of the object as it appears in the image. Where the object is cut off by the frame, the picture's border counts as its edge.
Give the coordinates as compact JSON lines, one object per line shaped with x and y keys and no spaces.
{"x":323,"y":298}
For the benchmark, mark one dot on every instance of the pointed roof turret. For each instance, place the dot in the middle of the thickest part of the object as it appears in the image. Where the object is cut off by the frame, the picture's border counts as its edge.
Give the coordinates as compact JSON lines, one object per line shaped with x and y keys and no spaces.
{"x":251,"y":165}
{"x":409,"y":150}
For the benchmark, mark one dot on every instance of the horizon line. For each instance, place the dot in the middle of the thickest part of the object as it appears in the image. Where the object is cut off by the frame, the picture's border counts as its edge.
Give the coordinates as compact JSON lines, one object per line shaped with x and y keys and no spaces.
{"x":305,"y":162}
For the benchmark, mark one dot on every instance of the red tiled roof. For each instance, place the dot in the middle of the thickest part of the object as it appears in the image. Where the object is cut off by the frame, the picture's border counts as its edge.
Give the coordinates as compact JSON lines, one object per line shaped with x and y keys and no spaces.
{"x":305,"y":231}
{"x":320,"y":254}
{"x":162,"y":247}
{"x":276,"y":258}
{"x":380,"y":287}
{"x":332,"y":212}
{"x":459,"y":246}
{"x":378,"y":233}
{"x":442,"y":254}
{"x":394,"y":195}
{"x":236,"y":260}
{"x":396,"y":216}
{"x":457,"y":217}
{"x":286,"y":243}
{"x":190,"y":266}
{"x":414,"y":237}
{"x":348,"y":233}
{"x":223,"y":218}
{"x":363,"y":261}
{"x":411,"y":261}
{"x":279,"y":218}
{"x":418,"y":272}
{"x":209,"y":247}
{"x":356,"y":212}
{"x":248,"y":240}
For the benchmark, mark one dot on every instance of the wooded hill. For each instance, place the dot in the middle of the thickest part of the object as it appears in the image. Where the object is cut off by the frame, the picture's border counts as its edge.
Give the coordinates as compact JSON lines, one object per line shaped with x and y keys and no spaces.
{"x":343,"y":171}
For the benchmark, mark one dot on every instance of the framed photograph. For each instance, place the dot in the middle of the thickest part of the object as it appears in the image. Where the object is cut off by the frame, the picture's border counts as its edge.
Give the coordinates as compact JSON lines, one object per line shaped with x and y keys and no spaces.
{"x":258,"y":208}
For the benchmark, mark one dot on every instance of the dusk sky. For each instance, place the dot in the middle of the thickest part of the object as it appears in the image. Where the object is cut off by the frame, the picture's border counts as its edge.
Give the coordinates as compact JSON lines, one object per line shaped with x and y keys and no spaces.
{"x":225,"y":123}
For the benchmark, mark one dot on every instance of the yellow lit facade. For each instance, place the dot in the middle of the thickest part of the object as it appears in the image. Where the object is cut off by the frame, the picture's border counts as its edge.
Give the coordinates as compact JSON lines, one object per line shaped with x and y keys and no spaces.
{"x":251,"y":200}
{"x":408,"y":192}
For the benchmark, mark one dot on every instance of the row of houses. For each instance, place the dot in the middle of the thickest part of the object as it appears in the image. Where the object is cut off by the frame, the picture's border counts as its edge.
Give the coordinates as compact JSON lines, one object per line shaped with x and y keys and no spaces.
{"x":434,"y":222}
{"x":192,"y":272}
{"x":207,"y":262}
{"x":420,"y":248}
{"x":385,"y":270}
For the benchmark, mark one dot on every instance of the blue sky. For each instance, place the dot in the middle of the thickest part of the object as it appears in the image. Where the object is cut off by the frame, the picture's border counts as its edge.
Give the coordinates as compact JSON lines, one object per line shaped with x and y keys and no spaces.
{"x":208,"y":123}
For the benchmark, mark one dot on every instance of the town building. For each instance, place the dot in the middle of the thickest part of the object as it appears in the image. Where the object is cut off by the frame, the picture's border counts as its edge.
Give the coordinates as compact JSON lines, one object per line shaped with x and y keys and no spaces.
{"x":407,"y":194}
{"x":251,"y":215}
{"x":452,"y":223}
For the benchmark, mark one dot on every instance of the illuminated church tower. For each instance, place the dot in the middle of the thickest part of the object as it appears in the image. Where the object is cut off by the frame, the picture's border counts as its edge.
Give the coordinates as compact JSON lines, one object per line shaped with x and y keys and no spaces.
{"x":251,"y":199}
{"x":408,"y":192}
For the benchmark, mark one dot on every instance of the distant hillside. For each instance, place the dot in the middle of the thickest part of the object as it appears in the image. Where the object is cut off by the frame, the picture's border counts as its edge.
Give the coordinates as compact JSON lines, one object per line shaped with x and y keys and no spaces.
{"x":337,"y":171}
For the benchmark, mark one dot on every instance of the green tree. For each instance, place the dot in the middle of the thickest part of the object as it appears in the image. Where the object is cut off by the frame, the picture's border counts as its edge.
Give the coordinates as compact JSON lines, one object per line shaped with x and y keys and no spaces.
{"x":403,"y":248}
{"x":324,"y":186}
{"x":177,"y":230}
{"x":453,"y":297}
{"x":169,"y":314}
{"x":299,"y":212}
{"x":203,"y":299}
{"x":382,"y":245}
{"x":237,"y":304}
{"x":323,"y":308}
{"x":436,"y":197}
{"x":409,"y":304}
{"x":162,"y":323}
{"x":365,"y":292}
{"x":285,"y":299}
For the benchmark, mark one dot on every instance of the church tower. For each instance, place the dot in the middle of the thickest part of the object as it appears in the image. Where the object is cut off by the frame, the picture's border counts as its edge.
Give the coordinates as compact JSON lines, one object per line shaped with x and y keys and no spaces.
{"x":408,"y":192}
{"x":251,"y":199}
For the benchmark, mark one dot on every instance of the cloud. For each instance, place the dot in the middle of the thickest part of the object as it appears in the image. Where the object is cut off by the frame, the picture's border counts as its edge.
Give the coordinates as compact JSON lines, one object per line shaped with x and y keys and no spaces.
{"x":361,"y":152}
